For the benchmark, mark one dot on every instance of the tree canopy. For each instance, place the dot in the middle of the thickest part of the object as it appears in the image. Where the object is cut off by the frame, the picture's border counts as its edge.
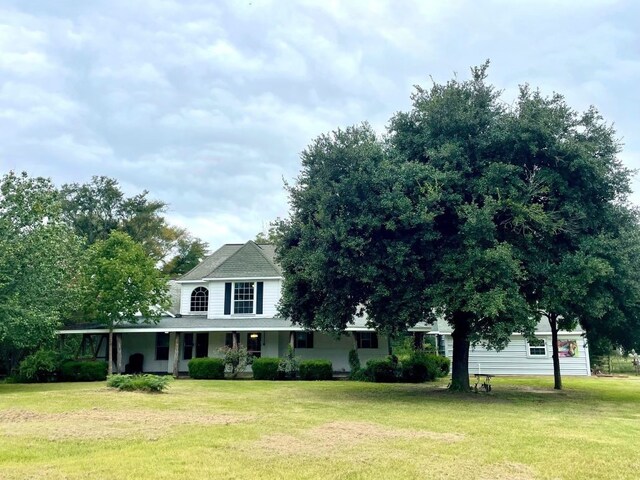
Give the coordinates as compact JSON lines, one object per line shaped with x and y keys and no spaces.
{"x":122,"y":284}
{"x":39,"y":263}
{"x":457,"y":213}
{"x":97,"y":208}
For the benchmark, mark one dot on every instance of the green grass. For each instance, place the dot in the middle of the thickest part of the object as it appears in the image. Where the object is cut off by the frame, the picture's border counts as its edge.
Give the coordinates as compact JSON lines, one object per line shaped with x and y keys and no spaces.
{"x":252,"y":429}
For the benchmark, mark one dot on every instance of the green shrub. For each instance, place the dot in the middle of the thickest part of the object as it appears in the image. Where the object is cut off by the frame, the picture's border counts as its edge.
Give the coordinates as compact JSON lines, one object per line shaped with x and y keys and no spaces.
{"x":316,"y":370}
{"x":444,"y":365}
{"x":419,"y":367}
{"x":289,"y":365}
{"x":415,"y":370}
{"x":142,"y":383}
{"x":266,"y":368}
{"x":354,"y":360}
{"x":41,"y":366}
{"x":382,"y":371}
{"x":236,"y":360}
{"x":206,"y":368}
{"x":83,"y":371}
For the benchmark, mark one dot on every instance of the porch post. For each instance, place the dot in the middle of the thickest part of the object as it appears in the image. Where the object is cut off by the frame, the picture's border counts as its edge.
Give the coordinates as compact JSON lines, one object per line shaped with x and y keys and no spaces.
{"x":292,"y":339}
{"x":418,"y":340}
{"x":234,"y":340}
{"x":119,"y":352}
{"x":176,"y":355}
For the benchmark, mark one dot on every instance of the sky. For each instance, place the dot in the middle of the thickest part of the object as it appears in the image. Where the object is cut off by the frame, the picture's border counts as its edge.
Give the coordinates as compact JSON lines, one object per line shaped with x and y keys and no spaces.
{"x":208,"y":104}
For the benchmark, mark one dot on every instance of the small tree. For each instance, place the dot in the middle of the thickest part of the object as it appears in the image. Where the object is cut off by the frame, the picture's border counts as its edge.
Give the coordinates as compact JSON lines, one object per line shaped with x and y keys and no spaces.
{"x":123,"y":285}
{"x":236,"y":359}
{"x":289,"y":364}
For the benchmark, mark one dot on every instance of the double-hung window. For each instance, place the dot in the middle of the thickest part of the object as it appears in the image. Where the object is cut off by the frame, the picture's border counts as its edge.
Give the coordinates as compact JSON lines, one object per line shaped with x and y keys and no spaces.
{"x":367,"y":340}
{"x":537,"y":347}
{"x":243,"y":297}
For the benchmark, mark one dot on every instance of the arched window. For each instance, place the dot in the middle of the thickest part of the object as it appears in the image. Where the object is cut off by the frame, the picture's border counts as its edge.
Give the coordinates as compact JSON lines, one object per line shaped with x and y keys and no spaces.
{"x":200,"y":300}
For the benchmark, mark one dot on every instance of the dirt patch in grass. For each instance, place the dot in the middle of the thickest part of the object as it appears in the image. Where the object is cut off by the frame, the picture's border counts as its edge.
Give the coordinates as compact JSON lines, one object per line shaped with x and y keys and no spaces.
{"x":336,"y":436}
{"x":507,"y":471}
{"x":101,"y":424}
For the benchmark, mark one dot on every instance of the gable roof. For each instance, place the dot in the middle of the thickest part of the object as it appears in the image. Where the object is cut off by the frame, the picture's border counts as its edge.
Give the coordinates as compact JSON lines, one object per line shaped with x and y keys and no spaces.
{"x":237,"y":261}
{"x":210,"y":262}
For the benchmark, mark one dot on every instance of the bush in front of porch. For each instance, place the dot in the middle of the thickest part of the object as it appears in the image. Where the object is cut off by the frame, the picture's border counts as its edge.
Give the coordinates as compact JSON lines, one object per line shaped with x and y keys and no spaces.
{"x":206,"y":368}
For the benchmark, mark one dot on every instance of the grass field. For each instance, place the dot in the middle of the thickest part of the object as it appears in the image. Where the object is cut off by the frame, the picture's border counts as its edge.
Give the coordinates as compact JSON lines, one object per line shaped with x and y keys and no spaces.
{"x":251,"y":429}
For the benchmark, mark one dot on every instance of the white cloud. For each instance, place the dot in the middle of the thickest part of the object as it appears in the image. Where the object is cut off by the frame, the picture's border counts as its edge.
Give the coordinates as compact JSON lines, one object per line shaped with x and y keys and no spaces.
{"x":207,"y":105}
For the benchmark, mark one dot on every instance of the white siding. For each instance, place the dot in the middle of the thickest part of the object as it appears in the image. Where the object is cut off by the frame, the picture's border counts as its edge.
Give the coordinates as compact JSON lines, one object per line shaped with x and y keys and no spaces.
{"x":271,"y":297}
{"x":216,"y":299}
{"x":327,"y":347}
{"x":514,"y":359}
{"x":185,"y":298}
{"x":144,"y":343}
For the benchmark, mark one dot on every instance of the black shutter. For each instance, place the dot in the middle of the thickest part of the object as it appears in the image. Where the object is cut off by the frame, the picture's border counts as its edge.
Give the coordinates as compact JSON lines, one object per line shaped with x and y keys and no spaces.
{"x":357,"y":337}
{"x":227,"y":298}
{"x":259,"y":295}
{"x":310,"y":340}
{"x":374,"y":340}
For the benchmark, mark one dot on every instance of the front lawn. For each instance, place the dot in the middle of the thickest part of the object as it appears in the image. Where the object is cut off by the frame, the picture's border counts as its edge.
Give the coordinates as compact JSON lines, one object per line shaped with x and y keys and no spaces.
{"x":340,"y":429}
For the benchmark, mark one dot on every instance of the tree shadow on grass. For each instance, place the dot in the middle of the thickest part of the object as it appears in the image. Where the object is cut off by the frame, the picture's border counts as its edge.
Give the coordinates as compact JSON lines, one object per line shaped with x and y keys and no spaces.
{"x":423,"y":394}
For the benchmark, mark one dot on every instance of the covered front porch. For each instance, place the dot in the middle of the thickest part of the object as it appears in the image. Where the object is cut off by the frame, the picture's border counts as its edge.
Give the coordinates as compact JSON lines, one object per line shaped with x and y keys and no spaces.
{"x":167,"y":347}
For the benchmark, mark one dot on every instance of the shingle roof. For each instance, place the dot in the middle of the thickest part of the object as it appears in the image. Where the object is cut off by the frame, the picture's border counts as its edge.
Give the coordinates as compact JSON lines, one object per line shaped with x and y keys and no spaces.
{"x":237,"y":261}
{"x":250,"y":260}
{"x":209,"y":263}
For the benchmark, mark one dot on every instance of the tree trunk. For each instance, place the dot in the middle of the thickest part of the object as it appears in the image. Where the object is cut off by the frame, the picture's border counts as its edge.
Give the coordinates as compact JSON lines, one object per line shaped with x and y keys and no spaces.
{"x":119,"y":352}
{"x":460,"y":364}
{"x":176,"y":355}
{"x":110,"y":353}
{"x":557,"y":379}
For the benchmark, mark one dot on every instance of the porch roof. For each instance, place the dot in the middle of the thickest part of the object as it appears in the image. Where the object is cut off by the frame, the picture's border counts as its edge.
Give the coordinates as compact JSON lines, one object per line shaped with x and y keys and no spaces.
{"x":201,"y":323}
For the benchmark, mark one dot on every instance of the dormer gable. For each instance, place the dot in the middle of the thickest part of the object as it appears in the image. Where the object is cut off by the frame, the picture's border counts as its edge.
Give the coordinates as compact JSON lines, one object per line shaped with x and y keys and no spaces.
{"x":249,"y":261}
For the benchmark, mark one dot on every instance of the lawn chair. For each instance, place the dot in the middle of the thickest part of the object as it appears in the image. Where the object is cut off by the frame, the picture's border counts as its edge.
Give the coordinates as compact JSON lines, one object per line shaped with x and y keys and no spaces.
{"x":135,"y":364}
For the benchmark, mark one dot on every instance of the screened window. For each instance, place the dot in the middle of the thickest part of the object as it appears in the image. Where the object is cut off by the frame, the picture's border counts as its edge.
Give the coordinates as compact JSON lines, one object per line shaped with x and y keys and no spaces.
{"x":228,"y":340}
{"x":243,"y":295}
{"x":303,"y":340}
{"x":200,"y":300}
{"x":162,"y":346}
{"x":367,"y":340}
{"x":537,"y":347}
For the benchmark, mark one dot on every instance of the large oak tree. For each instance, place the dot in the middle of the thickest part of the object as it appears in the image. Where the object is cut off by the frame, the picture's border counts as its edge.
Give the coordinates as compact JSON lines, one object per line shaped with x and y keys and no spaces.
{"x":425,"y":224}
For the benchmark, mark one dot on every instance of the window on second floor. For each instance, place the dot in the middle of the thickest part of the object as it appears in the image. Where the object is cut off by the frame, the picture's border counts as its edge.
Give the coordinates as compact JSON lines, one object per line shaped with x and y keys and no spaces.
{"x":243,"y":295}
{"x":200,"y":300}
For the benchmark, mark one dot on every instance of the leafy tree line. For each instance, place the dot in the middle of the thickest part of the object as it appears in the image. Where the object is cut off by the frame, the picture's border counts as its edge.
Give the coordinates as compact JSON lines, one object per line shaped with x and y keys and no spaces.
{"x":487,"y":215}
{"x":81,"y":253}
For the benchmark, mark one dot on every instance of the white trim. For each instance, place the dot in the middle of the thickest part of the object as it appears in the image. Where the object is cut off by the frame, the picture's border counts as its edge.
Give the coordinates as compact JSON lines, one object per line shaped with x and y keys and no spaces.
{"x":255,"y":300}
{"x":516,"y":334}
{"x":239,"y":279}
{"x":213,"y":328}
{"x":188,"y":281}
{"x":545,"y":345}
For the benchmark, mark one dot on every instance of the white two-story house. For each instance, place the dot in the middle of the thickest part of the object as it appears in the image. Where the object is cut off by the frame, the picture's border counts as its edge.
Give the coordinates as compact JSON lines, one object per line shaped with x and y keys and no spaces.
{"x":231,"y":298}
